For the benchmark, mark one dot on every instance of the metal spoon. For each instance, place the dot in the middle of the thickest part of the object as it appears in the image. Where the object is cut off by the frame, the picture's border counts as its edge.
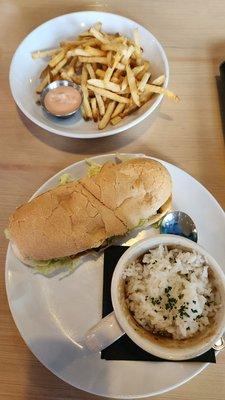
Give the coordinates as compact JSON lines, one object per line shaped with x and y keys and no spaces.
{"x":179,"y":223}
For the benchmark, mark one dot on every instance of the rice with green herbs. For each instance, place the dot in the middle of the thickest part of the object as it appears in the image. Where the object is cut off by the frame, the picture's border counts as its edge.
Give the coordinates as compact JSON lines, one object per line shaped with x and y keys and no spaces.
{"x":170,"y":292}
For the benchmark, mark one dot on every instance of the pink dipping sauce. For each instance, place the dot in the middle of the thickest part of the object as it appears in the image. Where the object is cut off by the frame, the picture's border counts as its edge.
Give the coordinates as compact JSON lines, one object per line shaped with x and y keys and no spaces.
{"x":62,"y":100}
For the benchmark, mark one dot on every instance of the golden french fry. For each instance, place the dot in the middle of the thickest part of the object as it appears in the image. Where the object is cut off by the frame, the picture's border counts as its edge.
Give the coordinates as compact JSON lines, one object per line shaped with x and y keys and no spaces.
{"x":98,"y":35}
{"x":142,"y":83}
{"x":113,"y":87}
{"x":84,"y":75}
{"x":115,"y":80}
{"x":168,"y":93}
{"x":129,"y":110}
{"x":108,"y":74}
{"x":128,"y":54}
{"x":57,"y":68}
{"x":124,"y":83}
{"x":118,"y":47}
{"x":76,"y":79}
{"x":64,"y":75}
{"x":106,"y":118}
{"x":145,"y":96}
{"x":101,"y":105}
{"x":43,"y":83}
{"x":81,"y":42}
{"x":119,"y":108}
{"x":45,"y":53}
{"x":109,"y":58}
{"x":120,"y":66}
{"x":159,"y":81}
{"x":109,"y":95}
{"x":86,"y":104}
{"x":100,"y":73}
{"x":92,"y":51}
{"x":115,"y":120}
{"x":83,"y":113}
{"x":56,"y":59}
{"x":100,"y":60}
{"x":137,"y":69}
{"x":45,"y":72}
{"x":117,"y":59}
{"x":146,"y":65}
{"x":132,"y":86}
{"x":90,"y":70}
{"x":94,"y":109}
{"x":94,"y":66}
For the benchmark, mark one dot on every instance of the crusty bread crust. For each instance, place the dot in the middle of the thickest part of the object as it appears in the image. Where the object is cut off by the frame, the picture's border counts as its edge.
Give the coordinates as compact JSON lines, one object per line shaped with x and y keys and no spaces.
{"x":82,"y":214}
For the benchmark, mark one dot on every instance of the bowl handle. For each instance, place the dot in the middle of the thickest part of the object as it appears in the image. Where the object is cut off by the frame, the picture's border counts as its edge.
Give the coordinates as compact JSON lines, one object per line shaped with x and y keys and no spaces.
{"x":103,"y":333}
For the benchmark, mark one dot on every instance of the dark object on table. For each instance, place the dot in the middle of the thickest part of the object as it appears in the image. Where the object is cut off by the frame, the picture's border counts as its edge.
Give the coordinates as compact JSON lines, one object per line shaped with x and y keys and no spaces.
{"x":220,"y":81}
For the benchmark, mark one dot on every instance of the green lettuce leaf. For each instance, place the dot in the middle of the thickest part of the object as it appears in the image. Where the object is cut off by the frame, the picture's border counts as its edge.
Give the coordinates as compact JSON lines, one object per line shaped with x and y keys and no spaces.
{"x":65,"y":178}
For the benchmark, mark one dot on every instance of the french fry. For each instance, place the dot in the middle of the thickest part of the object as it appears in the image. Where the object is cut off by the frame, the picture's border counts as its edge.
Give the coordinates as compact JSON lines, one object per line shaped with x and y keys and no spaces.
{"x":100,"y":60}
{"x":137,"y":46}
{"x":83,"y":113}
{"x":45,"y":72}
{"x":86,"y":104}
{"x":76,"y":79}
{"x":168,"y":93}
{"x":90,"y":71}
{"x":118,"y":47}
{"x":115,"y":120}
{"x":106,"y":118}
{"x":100,"y":73}
{"x":120,"y":66}
{"x":101,"y":105}
{"x":115,"y":80}
{"x":129,"y":110}
{"x":108,"y":74}
{"x":128,"y":54}
{"x":43,"y":83}
{"x":94,"y":109}
{"x":109,"y":95}
{"x":132,"y":86}
{"x":159,"y":81}
{"x":84,"y":75}
{"x":94,"y":66}
{"x":81,"y":42}
{"x":92,"y":51}
{"x":145,"y":96}
{"x":57,"y":68}
{"x":45,"y":53}
{"x":124,"y":83}
{"x":142,"y":83}
{"x":65,"y":76}
{"x":113,"y":87}
{"x":98,"y":35}
{"x":109,"y":58}
{"x":56,"y":59}
{"x":137,"y":69}
{"x":119,"y":108}
{"x":145,"y":68}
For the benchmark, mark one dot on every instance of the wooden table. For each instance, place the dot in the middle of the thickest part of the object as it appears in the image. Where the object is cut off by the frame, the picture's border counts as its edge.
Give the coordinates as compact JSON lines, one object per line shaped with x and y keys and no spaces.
{"x":188,"y":134}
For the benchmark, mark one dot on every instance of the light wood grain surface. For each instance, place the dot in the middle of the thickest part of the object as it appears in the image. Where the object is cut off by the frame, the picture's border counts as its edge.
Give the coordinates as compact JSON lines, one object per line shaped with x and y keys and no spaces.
{"x":188,"y":135}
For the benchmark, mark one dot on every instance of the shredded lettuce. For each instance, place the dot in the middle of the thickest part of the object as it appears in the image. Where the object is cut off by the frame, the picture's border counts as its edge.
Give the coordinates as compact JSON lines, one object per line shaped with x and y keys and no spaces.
{"x":157,"y":224}
{"x":7,"y":234}
{"x":49,"y":268}
{"x":65,"y":178}
{"x":93,"y":169}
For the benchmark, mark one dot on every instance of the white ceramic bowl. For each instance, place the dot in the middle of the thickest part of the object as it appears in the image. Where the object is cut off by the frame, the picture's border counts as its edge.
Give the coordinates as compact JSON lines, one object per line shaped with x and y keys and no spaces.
{"x":24,"y":71}
{"x":188,"y":349}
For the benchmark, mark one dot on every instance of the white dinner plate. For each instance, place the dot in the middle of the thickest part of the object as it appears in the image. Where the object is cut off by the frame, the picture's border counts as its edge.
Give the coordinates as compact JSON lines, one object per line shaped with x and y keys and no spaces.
{"x":24,"y":71}
{"x":53,"y":315}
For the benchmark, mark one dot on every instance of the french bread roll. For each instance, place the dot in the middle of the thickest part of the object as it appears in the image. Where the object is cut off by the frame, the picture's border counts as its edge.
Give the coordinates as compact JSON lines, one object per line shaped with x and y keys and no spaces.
{"x":81,"y":215}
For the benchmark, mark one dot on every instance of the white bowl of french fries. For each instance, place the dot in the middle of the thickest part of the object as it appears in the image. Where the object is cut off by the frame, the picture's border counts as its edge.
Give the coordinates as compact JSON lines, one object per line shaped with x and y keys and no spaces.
{"x":121,"y":67}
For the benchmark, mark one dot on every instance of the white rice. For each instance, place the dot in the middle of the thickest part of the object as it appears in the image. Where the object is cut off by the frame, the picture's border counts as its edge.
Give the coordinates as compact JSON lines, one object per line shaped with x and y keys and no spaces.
{"x":169,"y":292}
